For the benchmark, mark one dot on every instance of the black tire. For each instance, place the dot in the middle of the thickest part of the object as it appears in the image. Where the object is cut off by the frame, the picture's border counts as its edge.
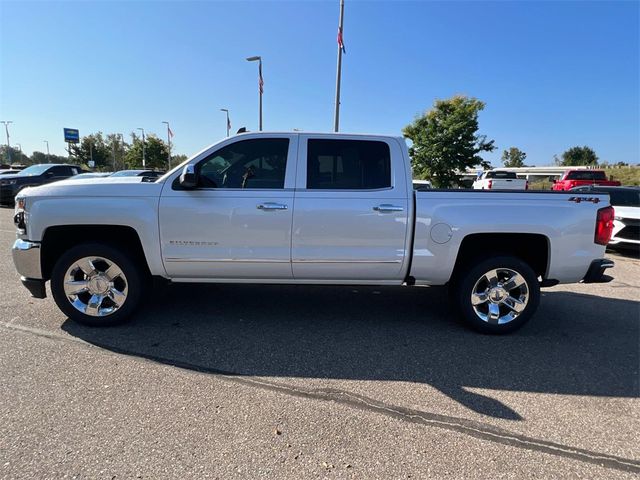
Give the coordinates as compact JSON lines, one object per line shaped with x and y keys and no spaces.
{"x":132,"y":280}
{"x":475,"y":280}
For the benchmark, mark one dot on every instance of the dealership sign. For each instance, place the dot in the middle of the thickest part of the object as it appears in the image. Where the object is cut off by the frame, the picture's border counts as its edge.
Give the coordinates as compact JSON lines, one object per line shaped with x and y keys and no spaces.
{"x":71,"y":135}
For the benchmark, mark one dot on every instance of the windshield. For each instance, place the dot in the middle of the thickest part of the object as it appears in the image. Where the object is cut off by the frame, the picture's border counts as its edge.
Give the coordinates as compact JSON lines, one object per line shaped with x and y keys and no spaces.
{"x":35,"y":170}
{"x":501,"y":175}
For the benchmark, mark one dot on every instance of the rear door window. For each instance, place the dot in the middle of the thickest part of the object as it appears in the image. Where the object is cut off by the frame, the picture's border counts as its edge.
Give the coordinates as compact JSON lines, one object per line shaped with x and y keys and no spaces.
{"x":348,"y":165}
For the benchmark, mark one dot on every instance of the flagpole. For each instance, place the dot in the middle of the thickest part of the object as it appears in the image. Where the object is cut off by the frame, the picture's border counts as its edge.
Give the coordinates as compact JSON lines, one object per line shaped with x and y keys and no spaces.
{"x":261,"y":89}
{"x":336,"y":118}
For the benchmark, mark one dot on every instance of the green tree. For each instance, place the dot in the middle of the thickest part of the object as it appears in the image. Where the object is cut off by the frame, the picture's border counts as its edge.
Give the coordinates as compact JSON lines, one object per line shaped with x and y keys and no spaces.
{"x":92,"y":147}
{"x":156,"y":153}
{"x":17,"y":157}
{"x":446,"y":141}
{"x":118,"y":151}
{"x":577,"y":156}
{"x":178,"y":159}
{"x":514,"y":157}
{"x":41,"y":157}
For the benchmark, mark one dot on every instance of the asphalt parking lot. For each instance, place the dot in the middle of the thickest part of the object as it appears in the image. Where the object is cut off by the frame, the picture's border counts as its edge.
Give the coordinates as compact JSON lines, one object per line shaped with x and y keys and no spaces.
{"x":242,"y":381}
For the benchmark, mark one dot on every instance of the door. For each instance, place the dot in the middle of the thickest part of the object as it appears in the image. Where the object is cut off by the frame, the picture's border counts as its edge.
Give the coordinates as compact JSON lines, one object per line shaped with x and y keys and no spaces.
{"x":237,"y":223}
{"x":351,"y":209}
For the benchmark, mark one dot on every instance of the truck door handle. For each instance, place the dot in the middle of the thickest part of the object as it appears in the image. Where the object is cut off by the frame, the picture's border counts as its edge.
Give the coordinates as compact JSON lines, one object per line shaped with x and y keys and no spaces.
{"x":271,"y":206}
{"x":385,"y":207}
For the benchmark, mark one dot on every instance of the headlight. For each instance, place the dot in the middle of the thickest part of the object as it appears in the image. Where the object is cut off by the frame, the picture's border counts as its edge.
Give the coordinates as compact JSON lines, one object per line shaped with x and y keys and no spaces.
{"x":8,"y":182}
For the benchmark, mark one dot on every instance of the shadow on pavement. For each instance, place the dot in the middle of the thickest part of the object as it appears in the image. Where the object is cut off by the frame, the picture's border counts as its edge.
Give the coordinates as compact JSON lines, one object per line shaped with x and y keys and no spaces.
{"x":629,"y":251}
{"x":576,"y":344}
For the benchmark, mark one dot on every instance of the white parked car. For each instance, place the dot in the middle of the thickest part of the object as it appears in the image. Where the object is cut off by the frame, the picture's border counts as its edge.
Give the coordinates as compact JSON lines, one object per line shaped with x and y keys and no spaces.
{"x":422,"y":185}
{"x":305,"y":209}
{"x":500,"y":180}
{"x":626,"y":203}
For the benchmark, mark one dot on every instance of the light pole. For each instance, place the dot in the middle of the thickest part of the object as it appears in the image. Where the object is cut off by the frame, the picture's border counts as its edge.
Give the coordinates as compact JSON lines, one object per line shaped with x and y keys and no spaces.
{"x":47,"y":142}
{"x":113,"y":149}
{"x":144,"y":155}
{"x":169,"y":135}
{"x":258,"y":59}
{"x":121,"y":135}
{"x":228,"y":122}
{"x":6,"y":129}
{"x":336,"y":117}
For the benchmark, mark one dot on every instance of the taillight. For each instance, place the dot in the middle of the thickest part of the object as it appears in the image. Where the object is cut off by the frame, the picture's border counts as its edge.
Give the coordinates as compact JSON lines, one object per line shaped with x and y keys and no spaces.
{"x":489,"y":183}
{"x":604,"y":225}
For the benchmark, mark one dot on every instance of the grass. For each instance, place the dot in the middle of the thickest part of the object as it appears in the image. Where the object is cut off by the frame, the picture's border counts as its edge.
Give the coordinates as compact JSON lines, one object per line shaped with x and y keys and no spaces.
{"x":625,"y":175}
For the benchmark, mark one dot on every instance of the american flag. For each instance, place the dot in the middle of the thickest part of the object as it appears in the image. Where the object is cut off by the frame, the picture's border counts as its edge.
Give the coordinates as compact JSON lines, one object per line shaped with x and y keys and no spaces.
{"x":228,"y":123}
{"x":340,"y":42}
{"x":260,"y":81}
{"x":170,"y":132}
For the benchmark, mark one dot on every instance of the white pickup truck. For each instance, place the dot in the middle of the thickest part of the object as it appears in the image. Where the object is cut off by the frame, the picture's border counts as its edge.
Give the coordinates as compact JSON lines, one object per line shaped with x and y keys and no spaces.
{"x":306,"y":209}
{"x":500,"y":180}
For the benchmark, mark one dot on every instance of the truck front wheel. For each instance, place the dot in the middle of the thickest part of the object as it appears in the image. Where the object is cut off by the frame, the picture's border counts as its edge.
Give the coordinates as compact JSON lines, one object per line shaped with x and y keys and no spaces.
{"x":97,"y":285}
{"x":497,"y":295}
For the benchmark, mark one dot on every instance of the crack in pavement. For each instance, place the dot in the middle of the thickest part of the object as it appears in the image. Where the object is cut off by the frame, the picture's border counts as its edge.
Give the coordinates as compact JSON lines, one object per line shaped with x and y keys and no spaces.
{"x":479,"y":430}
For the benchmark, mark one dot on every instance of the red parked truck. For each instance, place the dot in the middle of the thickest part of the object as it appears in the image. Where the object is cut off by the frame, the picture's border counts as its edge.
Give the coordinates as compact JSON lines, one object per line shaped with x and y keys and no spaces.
{"x":580,"y":177}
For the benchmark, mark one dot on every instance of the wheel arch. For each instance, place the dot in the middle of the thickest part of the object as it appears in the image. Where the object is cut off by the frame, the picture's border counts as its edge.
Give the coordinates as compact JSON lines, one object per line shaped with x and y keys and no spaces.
{"x":532,"y":248}
{"x":58,"y":239}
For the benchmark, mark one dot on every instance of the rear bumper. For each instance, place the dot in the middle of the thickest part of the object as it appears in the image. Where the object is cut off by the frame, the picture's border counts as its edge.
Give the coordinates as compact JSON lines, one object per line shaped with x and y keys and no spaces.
{"x":595,"y":274}
{"x":26,"y":257}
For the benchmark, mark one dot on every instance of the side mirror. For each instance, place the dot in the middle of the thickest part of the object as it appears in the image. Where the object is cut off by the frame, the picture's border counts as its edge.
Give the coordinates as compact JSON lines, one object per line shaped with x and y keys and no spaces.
{"x":188,"y":178}
{"x":49,"y":174}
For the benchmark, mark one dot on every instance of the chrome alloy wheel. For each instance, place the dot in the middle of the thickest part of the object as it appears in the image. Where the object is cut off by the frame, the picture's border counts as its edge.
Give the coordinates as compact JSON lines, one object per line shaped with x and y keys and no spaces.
{"x":95,"y":286}
{"x":500,"y":296}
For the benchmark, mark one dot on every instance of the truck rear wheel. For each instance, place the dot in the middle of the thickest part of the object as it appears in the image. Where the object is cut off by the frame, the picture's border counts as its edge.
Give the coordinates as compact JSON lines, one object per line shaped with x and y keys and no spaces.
{"x":497,"y":295}
{"x":97,"y":285}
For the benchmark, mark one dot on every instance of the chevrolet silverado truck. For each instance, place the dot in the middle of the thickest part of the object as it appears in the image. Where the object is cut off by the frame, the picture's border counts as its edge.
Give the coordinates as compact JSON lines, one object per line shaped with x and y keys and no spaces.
{"x":299,"y":208}
{"x":500,"y":180}
{"x":581,"y":177}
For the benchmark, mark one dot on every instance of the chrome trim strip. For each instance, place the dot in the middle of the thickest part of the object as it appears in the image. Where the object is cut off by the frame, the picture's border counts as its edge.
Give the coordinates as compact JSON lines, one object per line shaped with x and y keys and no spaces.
{"x":309,"y":260}
{"x":224,"y":260}
{"x":266,"y":260}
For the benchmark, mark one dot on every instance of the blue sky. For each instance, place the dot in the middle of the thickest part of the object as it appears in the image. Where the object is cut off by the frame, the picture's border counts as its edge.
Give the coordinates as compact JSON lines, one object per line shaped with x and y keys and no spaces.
{"x":553,"y":74}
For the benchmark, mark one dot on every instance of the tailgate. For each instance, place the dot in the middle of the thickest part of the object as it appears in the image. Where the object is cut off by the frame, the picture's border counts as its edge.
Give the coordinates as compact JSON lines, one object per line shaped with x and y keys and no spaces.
{"x":508,"y":184}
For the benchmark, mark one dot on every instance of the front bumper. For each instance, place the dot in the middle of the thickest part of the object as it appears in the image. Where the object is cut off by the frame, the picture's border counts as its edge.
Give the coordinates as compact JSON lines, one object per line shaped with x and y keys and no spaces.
{"x":26,"y":257}
{"x":595,"y":274}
